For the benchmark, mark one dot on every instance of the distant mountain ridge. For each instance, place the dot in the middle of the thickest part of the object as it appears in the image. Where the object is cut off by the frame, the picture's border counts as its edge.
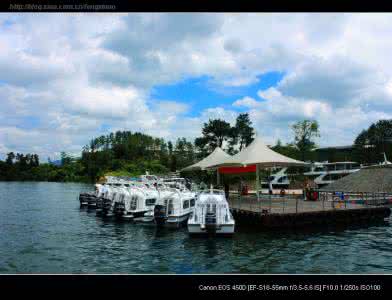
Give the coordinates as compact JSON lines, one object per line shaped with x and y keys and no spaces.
{"x":56,"y":162}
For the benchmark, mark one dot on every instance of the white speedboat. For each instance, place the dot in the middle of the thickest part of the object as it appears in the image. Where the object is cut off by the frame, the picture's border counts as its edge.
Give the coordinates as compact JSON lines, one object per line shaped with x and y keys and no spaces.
{"x":174,"y":208}
{"x":322,"y":173}
{"x":150,"y":179}
{"x":326,"y":173}
{"x":336,"y":170}
{"x":137,"y":200}
{"x":102,"y":190}
{"x":105,"y":204}
{"x":211,"y":215}
{"x":90,"y":198}
{"x":163,"y":192}
{"x":134,"y":200}
{"x":177,"y":181}
{"x":279,"y":179}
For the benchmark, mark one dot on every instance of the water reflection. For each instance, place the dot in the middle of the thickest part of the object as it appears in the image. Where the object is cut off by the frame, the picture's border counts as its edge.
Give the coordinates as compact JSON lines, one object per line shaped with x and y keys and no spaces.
{"x":160,"y":232}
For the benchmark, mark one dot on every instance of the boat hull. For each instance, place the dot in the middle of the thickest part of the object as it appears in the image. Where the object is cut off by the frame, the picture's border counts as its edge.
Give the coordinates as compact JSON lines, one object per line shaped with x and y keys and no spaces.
{"x":132,"y":215}
{"x":87,"y":200}
{"x":149,"y":219}
{"x":171,"y":221}
{"x":223,"y":229}
{"x":176,"y":221}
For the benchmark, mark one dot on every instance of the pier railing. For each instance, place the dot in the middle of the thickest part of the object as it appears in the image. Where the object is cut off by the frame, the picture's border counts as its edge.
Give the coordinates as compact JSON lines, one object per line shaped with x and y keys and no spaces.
{"x":296,"y":203}
{"x":362,"y":198}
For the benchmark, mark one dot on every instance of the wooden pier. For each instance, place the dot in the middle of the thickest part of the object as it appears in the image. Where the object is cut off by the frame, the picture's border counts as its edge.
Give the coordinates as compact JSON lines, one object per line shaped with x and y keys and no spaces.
{"x":290,"y":212}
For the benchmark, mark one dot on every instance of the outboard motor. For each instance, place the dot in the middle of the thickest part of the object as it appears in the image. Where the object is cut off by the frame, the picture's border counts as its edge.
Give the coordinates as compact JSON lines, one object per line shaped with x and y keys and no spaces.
{"x":99,"y":207}
{"x":107,"y":205}
{"x":160,"y":215}
{"x":210,"y":222}
{"x":119,"y":208}
{"x":91,"y":200}
{"x":83,"y":199}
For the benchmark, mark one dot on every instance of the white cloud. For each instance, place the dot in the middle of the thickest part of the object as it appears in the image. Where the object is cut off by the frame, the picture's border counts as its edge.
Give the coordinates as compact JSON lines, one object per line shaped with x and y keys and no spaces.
{"x":218,"y":113}
{"x":79,"y":74}
{"x":246,"y":102}
{"x":338,"y":125}
{"x":337,"y":80}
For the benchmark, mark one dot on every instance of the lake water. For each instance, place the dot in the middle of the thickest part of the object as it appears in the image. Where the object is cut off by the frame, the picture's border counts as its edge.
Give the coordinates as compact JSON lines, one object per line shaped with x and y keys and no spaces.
{"x":43,"y":230}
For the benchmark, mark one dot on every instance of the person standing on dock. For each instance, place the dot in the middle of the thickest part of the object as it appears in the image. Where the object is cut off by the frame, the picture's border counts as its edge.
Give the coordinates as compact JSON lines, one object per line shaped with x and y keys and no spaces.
{"x":270,"y":191}
{"x":305,"y":188}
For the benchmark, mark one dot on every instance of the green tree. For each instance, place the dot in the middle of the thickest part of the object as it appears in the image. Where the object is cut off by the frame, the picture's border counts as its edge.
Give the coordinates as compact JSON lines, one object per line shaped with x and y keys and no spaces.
{"x":289,"y":150}
{"x":173,"y":163}
{"x":201,"y":144}
{"x":21,"y":161}
{"x":243,"y":132}
{"x":10,"y":158}
{"x":184,"y":153}
{"x":35,"y":160}
{"x":65,"y":159}
{"x":122,"y":153}
{"x":304,"y":133}
{"x":171,"y":156}
{"x":215,"y":132}
{"x":371,"y":143}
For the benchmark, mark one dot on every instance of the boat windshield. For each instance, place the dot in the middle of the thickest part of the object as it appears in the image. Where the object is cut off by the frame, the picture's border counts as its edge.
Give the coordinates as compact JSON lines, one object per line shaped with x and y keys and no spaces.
{"x":341,"y":167}
{"x":284,"y":178}
{"x":319,"y":169}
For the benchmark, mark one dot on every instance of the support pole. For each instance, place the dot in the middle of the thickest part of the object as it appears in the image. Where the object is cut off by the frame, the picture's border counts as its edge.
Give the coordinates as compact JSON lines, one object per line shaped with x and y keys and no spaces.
{"x":217,"y":177}
{"x":257,"y":181}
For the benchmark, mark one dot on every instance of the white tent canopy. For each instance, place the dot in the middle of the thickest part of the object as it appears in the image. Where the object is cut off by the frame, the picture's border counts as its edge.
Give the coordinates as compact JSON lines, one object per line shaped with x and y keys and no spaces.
{"x":258,"y":153}
{"x":217,"y":157}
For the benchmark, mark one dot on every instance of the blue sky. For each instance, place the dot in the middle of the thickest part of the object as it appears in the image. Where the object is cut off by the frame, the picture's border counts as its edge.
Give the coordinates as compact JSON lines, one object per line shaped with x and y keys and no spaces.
{"x":200,"y":93}
{"x":67,"y":78}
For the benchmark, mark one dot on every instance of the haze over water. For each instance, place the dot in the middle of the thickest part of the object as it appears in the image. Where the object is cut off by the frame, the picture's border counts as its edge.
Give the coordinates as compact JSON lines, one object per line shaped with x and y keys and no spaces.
{"x":43,"y":230}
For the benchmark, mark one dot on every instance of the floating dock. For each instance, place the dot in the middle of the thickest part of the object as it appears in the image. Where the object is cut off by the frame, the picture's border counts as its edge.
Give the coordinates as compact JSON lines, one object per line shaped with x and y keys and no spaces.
{"x":292,"y":212}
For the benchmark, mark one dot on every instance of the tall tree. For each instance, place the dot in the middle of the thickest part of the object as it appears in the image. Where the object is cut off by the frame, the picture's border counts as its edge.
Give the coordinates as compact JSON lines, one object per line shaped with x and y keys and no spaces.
{"x":10,"y":158}
{"x":243,"y":131}
{"x":289,"y":150}
{"x":65,"y":158}
{"x":36,"y":160}
{"x":215,"y":132}
{"x":304,"y":133}
{"x":201,"y":144}
{"x":184,"y":153}
{"x":21,"y":160}
{"x":371,"y":143}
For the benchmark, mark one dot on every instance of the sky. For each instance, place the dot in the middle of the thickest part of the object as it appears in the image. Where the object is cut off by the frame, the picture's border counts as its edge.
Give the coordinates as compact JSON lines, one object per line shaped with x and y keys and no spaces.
{"x":65,"y":78}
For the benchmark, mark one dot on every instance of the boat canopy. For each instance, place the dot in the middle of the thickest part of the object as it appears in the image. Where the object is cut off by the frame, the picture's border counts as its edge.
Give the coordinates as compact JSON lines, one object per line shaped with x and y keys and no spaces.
{"x":217,"y":157}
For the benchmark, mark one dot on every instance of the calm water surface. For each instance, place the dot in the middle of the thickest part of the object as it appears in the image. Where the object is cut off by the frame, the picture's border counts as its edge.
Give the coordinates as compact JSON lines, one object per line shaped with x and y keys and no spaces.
{"x":42,"y":230}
